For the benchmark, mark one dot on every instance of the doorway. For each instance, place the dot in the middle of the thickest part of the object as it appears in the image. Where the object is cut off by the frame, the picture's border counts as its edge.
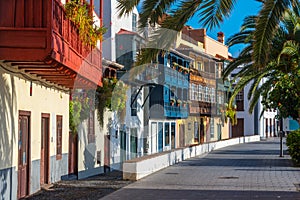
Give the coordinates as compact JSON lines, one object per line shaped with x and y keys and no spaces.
{"x":201,"y":131}
{"x":23,"y":154}
{"x":181,"y":135}
{"x":73,"y":151}
{"x":45,"y":157}
{"x":106,"y":153}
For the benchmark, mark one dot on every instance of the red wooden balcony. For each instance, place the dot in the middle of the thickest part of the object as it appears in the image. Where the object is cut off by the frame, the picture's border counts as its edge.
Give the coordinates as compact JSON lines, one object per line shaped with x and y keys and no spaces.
{"x":37,"y":37}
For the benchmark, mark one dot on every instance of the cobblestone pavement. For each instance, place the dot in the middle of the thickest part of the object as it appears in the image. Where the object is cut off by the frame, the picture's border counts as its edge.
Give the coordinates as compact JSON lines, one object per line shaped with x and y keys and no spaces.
{"x":88,"y":189}
{"x":245,"y":171}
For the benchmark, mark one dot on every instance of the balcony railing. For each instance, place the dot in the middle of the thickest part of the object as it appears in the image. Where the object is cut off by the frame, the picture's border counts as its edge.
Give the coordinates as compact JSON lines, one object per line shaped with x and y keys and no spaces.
{"x":175,"y":111}
{"x":174,"y":77}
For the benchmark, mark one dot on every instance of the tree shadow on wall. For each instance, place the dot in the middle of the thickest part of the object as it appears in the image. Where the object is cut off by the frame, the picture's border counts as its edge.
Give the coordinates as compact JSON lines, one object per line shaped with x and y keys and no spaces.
{"x":7,"y":131}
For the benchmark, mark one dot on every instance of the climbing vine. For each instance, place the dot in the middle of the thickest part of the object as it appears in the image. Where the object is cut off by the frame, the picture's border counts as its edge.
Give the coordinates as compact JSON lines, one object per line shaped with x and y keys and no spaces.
{"x":79,"y":110}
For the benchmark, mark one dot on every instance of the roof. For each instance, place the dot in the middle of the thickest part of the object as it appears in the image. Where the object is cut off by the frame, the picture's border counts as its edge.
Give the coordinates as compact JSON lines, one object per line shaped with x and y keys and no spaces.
{"x":112,"y":64}
{"x":126,"y":32}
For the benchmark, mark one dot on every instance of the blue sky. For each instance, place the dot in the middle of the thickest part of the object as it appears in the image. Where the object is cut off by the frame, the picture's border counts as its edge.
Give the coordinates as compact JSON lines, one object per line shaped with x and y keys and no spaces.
{"x":232,"y":24}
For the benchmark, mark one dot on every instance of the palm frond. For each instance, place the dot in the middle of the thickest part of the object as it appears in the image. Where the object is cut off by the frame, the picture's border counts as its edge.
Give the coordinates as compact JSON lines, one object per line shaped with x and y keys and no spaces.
{"x":153,"y":11}
{"x":249,"y":23}
{"x":240,"y":38}
{"x":267,"y":23}
{"x":215,"y":11}
{"x":290,"y":48}
{"x":182,"y":14}
{"x":267,"y":86}
{"x":125,"y":7}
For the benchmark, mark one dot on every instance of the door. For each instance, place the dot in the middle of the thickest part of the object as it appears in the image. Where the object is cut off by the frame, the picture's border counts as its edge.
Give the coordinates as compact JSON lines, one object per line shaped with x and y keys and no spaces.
{"x":238,"y":129}
{"x":173,"y":135}
{"x":181,"y":135}
{"x":23,"y":154}
{"x":106,"y":153}
{"x":73,"y":169}
{"x":133,"y":143}
{"x":201,"y":131}
{"x":45,"y":159}
{"x":160,"y":137}
{"x":123,"y":145}
{"x":219,"y":131}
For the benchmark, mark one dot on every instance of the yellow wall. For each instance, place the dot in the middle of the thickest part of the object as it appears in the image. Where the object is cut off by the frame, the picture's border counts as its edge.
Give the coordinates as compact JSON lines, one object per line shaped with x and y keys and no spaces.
{"x":15,"y":95}
{"x":214,"y":47}
{"x":198,"y":47}
{"x":189,"y":129}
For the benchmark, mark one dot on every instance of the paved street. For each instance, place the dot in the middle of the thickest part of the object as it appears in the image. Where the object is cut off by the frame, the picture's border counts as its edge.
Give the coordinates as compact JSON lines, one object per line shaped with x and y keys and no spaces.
{"x":246,"y":171}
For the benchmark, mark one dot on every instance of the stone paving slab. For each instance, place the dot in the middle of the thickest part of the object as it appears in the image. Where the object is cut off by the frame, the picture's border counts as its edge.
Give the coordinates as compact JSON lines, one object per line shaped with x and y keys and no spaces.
{"x":246,"y":171}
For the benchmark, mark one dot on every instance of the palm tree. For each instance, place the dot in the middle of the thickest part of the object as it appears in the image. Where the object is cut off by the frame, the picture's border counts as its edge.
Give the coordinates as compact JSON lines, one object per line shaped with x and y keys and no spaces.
{"x":281,"y":88}
{"x":210,"y":13}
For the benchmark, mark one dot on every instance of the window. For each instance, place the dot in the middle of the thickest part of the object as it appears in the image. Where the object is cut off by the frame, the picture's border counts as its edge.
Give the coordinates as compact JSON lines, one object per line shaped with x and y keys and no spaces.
{"x":91,"y":128}
{"x":200,"y":92}
{"x":58,"y":137}
{"x":240,"y":100}
{"x":219,"y":70}
{"x":191,"y":92}
{"x":194,"y":92}
{"x":173,"y":145}
{"x":196,"y":132}
{"x":134,"y":102}
{"x":134,"y":22}
{"x":167,"y":134}
{"x":213,"y":95}
{"x":240,"y":96}
{"x":212,"y":127}
{"x":206,"y":94}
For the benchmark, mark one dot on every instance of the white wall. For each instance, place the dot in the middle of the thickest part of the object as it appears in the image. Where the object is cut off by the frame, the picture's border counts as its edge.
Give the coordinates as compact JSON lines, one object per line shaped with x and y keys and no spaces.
{"x":15,"y":96}
{"x":249,"y":119}
{"x":114,"y":23}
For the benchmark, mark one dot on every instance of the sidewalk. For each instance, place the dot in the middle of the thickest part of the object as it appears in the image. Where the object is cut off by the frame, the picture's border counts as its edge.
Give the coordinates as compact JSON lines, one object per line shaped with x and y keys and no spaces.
{"x":239,"y":172}
{"x":246,"y":171}
{"x":91,"y":188}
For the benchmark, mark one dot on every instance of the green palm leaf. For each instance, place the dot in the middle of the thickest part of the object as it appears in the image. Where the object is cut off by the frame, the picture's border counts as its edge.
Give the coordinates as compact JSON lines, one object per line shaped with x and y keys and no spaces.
{"x":267,"y":24}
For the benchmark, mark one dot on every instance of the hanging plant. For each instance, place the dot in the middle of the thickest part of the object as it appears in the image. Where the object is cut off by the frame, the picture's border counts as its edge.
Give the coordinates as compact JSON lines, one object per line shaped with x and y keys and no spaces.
{"x":119,"y":99}
{"x":79,"y":14}
{"x":230,"y":113}
{"x":105,"y":99}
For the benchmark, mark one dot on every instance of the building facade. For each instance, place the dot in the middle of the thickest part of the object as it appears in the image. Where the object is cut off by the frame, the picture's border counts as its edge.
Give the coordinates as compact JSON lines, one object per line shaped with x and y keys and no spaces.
{"x":42,"y":59}
{"x":260,"y":122}
{"x":207,"y":91}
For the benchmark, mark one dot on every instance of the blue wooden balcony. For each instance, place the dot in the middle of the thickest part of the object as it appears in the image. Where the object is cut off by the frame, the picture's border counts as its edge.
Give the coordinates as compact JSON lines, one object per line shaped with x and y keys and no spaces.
{"x":176,"y":78}
{"x":175,"y":111}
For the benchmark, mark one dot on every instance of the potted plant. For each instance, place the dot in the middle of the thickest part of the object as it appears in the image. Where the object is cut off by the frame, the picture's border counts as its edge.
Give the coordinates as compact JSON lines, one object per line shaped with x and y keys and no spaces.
{"x":179,"y":102}
{"x":186,"y":71}
{"x":172,"y":101}
{"x":174,"y":65}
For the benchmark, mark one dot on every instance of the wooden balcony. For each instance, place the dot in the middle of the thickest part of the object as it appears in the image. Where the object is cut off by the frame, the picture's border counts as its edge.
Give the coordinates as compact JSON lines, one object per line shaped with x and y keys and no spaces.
{"x":202,"y":108}
{"x":37,"y":37}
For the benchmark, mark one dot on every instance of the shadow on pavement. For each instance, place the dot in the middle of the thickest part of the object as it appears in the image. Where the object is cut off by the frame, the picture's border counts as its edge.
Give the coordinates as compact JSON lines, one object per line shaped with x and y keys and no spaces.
{"x":162,"y":194}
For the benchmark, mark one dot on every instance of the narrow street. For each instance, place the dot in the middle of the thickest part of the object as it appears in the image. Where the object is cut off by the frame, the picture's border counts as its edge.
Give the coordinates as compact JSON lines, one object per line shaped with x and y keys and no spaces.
{"x":246,"y":171}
